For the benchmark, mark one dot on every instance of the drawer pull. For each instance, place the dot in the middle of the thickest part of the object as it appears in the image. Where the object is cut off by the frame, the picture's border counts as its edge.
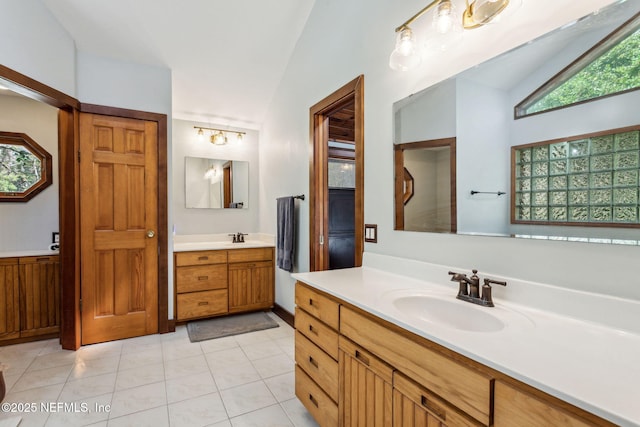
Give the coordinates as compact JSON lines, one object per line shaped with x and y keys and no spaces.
{"x":203,"y":277}
{"x":42,"y":259}
{"x":435,"y":409}
{"x":313,"y":362}
{"x":312,"y":330}
{"x":313,"y":400}
{"x":361,"y":357}
{"x":203,"y":303}
{"x":310,"y":301}
{"x":203,"y":258}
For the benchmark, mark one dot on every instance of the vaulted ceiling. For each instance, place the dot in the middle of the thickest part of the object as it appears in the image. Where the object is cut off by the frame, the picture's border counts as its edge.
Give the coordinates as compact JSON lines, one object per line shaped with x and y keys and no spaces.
{"x":226,"y":57}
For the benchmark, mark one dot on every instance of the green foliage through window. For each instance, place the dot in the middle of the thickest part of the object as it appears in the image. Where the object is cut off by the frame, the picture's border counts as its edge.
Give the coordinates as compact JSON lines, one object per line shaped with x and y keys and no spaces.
{"x":612,"y":66}
{"x":19,"y":169}
{"x":616,"y":71}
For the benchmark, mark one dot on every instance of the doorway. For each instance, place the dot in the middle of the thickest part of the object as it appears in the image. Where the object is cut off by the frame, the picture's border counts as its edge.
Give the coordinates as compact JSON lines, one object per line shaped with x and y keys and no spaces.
{"x":336,"y":204}
{"x":70,"y":212}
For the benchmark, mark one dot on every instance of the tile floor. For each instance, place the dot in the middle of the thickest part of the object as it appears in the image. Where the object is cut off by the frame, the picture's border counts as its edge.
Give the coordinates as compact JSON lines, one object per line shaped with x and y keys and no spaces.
{"x":157,"y":380}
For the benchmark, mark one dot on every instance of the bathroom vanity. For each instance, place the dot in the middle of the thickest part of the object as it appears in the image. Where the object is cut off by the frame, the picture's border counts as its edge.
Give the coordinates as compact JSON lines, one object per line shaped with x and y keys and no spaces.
{"x":218,"y":277}
{"x":378,"y":348}
{"x":30,"y":292}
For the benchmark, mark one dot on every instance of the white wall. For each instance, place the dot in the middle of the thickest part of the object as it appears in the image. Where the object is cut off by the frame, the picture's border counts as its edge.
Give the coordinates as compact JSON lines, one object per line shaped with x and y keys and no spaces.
{"x":360,"y":41}
{"x":28,"y":226}
{"x":213,"y":221}
{"x":35,"y":44}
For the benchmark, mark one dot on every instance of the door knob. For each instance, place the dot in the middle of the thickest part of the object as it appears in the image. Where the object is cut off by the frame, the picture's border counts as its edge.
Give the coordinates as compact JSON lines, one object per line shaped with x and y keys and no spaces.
{"x":150,"y":233}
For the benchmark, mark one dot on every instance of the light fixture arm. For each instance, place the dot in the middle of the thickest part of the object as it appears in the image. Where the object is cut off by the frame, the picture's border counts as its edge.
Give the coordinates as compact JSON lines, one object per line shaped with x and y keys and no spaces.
{"x":426,"y":9}
{"x":220,"y":130}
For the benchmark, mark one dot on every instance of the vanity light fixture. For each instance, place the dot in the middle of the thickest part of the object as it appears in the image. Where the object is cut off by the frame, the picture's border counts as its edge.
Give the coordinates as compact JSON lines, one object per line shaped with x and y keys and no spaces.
{"x":219,"y":136}
{"x":446,"y":20}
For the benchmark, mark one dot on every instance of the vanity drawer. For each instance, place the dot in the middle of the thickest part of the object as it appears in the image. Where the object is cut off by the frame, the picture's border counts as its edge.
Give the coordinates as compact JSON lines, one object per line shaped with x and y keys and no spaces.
{"x":252,"y":254}
{"x":200,"y":258}
{"x":201,"y":278}
{"x":318,"y":305}
{"x":420,"y":407}
{"x":318,"y":365}
{"x":321,"y":407}
{"x":322,"y":335}
{"x":460,"y":385}
{"x":202,"y":304}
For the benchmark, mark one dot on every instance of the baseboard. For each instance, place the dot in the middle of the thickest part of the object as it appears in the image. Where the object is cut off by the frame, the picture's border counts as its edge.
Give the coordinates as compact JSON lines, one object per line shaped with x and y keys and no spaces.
{"x":284,"y":314}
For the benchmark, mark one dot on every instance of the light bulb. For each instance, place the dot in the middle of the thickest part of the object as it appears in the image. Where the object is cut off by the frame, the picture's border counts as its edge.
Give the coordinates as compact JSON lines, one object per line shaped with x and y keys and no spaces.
{"x":443,"y":20}
{"x":404,"y":56}
{"x":239,"y":137}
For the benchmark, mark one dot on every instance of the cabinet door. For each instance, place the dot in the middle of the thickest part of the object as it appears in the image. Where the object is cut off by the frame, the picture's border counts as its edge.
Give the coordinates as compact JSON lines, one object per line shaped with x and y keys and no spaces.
{"x":415,"y":406}
{"x":366,"y":390}
{"x":9,"y":291}
{"x":39,"y":296}
{"x":251,"y":286}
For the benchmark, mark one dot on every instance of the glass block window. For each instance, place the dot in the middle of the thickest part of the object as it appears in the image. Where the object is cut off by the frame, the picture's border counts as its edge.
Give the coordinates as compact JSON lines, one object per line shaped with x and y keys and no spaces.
{"x":584,"y":180}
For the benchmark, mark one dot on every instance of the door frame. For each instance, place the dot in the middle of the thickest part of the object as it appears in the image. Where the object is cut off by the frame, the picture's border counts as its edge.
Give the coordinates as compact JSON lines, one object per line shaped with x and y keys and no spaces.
{"x":318,"y":183}
{"x":69,"y":198}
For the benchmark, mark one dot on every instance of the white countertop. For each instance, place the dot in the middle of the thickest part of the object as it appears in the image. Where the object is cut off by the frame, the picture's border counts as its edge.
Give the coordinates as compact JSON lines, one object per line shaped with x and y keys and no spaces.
{"x":16,"y":254}
{"x":589,"y":365}
{"x":205,"y":242}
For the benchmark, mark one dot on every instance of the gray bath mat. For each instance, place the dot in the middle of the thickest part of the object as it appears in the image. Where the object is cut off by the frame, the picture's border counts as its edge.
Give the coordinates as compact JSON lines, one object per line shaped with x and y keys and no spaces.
{"x":201,"y":330}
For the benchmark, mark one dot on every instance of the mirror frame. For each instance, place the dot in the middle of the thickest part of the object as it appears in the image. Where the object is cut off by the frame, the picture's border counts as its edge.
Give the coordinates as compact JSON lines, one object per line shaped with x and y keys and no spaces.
{"x":400,"y":172}
{"x":46,"y":166}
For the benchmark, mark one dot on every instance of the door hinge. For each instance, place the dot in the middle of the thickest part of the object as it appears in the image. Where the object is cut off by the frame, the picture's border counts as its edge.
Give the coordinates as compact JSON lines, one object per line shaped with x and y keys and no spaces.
{"x":321,"y":240}
{"x":78,"y":157}
{"x":80,"y":306}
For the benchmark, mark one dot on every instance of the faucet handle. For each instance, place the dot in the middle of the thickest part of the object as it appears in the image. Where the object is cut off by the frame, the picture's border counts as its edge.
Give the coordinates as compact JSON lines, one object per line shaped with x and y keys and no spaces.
{"x":235,"y":238}
{"x":487,"y":299}
{"x":462,"y":281}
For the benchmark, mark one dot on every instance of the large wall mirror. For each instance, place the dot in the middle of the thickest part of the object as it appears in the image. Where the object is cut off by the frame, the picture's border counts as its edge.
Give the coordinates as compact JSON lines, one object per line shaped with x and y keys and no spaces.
{"x":25,"y":167}
{"x":216,"y":183}
{"x":476,"y":107}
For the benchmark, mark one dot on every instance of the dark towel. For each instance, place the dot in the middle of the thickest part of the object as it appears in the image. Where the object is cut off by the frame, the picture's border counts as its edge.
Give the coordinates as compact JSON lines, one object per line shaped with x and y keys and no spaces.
{"x":286,"y":229}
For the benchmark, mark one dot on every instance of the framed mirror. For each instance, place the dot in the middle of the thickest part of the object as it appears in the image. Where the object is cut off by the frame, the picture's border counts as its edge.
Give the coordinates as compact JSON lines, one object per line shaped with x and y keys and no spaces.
{"x":425,"y":187}
{"x":476,"y":107}
{"x":25,"y":167}
{"x":216,"y":183}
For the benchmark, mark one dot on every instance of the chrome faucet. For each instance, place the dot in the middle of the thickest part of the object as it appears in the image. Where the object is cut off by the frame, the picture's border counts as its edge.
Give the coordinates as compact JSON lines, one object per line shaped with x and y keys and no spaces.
{"x":472,"y":295}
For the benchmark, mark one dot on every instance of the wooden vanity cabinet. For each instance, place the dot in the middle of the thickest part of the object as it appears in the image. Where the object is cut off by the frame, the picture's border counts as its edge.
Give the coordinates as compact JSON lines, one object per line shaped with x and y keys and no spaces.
{"x":9,"y":299}
{"x":366,"y":386}
{"x":29,"y":297}
{"x":251,"y":279}
{"x":218,"y":282}
{"x":201,"y":284}
{"x":316,"y":354}
{"x":516,"y":407}
{"x":39,"y":296}
{"x":388,"y":376}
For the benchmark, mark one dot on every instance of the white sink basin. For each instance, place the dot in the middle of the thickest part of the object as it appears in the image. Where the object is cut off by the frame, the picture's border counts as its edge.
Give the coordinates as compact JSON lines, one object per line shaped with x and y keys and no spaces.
{"x":449,"y":313}
{"x":428,"y":310}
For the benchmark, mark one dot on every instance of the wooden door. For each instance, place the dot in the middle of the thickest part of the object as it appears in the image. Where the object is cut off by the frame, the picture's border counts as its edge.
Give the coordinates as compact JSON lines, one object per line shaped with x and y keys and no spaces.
{"x":118,"y":226}
{"x":39,"y":296}
{"x":9,"y":311}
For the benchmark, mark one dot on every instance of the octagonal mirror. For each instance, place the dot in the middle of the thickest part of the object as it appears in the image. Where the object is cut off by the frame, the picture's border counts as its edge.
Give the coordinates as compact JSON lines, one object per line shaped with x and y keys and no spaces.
{"x":25,"y":167}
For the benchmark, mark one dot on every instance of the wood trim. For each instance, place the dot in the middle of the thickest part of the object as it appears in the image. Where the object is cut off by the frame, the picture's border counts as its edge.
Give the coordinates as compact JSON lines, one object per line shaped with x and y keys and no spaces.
{"x":162,"y":232}
{"x":318,"y":188}
{"x":399,"y":188}
{"x":33,"y":89}
{"x":280,"y":311}
{"x":69,"y":175}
